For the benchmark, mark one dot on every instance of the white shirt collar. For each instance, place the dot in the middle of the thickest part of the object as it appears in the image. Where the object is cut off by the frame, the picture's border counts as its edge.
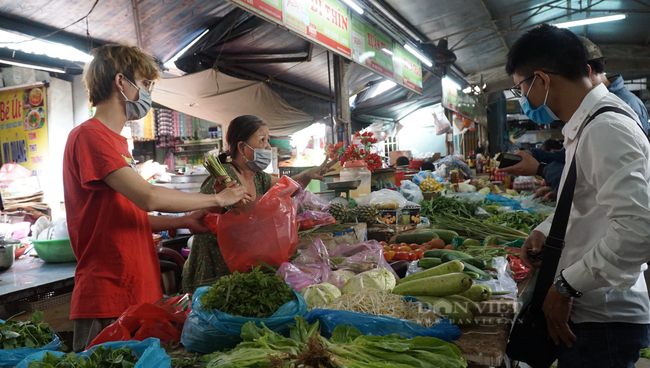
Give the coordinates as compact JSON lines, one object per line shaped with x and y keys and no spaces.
{"x":572,"y":128}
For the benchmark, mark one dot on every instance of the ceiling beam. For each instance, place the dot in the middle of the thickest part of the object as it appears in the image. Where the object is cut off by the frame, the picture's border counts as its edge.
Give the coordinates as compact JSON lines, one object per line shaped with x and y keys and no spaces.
{"x":136,"y":22}
{"x":234,"y":59}
{"x":496,"y":27}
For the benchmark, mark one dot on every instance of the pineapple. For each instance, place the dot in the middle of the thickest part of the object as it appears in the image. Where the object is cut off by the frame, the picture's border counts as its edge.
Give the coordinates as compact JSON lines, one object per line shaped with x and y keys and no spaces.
{"x":340,"y":212}
{"x":366,"y":213}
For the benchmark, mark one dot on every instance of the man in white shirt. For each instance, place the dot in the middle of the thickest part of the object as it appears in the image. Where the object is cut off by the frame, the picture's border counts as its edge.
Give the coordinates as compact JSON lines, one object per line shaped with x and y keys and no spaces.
{"x":598,"y":311}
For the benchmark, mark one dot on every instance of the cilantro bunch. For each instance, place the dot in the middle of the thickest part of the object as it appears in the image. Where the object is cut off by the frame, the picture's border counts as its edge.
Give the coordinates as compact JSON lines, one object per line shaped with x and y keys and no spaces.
{"x":251,"y":295}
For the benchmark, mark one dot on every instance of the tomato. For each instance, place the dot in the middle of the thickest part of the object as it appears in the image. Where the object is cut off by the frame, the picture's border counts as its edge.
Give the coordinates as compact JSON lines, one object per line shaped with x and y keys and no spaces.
{"x":403,"y":245}
{"x":413,"y":257}
{"x":394,"y":248}
{"x":386,"y":248}
{"x":383,"y":243}
{"x":307,"y":224}
{"x":387,"y":257}
{"x":404,"y":248}
{"x":401,"y":256}
{"x":419,"y":253}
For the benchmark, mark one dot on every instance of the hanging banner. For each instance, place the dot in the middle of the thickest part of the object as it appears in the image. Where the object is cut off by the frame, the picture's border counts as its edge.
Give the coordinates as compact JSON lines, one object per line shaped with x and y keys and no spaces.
{"x":266,"y":8}
{"x":463,"y":104}
{"x":326,"y":22}
{"x":371,"y":47}
{"x":407,"y":69}
{"x":23,"y":127}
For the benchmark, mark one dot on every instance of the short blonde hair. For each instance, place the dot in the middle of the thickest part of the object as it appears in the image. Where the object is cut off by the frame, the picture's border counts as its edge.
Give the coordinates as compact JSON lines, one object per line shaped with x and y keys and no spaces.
{"x":110,"y":60}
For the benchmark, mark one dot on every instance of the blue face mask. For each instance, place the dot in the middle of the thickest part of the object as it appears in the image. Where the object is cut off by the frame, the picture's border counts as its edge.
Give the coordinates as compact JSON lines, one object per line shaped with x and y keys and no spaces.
{"x":540,"y":115}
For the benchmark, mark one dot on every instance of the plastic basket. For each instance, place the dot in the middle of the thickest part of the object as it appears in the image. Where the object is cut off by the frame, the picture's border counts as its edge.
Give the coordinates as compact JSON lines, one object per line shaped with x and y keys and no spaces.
{"x":54,"y":251}
{"x":44,"y":301}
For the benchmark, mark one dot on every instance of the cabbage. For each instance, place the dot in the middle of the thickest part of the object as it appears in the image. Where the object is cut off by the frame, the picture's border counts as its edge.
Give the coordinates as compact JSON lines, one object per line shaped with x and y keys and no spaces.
{"x":374,"y":279}
{"x":318,"y":296}
{"x":345,"y":275}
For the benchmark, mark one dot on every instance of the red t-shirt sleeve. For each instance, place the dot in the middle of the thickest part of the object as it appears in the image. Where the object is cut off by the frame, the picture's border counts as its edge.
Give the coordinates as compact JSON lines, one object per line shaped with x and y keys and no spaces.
{"x":97,"y":156}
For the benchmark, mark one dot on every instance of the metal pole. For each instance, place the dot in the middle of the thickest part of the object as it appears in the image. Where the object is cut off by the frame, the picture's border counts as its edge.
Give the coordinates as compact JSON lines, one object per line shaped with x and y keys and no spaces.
{"x":329,"y":80}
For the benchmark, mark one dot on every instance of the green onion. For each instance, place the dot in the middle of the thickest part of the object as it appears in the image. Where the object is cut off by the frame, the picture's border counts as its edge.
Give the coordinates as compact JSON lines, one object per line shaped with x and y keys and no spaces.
{"x":215,"y":168}
{"x":475,"y":229}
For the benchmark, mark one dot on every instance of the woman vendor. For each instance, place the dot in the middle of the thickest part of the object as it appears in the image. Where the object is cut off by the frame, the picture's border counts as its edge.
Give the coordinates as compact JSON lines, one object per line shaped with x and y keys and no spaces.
{"x":249,"y":154}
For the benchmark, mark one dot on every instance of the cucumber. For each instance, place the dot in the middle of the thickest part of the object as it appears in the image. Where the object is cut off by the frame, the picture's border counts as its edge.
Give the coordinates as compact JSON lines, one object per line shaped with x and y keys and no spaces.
{"x":450,"y":284}
{"x":460,"y":301}
{"x":418,"y":237}
{"x":477,"y":293}
{"x":446,"y":235}
{"x":429,"y":262}
{"x":437,"y":253}
{"x":443,"y":269}
{"x":471,"y":268}
{"x":475,"y":262}
{"x":473,"y":275}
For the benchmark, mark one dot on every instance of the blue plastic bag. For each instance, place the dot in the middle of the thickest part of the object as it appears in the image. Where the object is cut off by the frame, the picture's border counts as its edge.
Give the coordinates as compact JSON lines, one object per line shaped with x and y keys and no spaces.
{"x":206,"y":332}
{"x":148,"y":351}
{"x":9,"y":358}
{"x":505,"y":202}
{"x":370,"y":324}
{"x":419,"y":177}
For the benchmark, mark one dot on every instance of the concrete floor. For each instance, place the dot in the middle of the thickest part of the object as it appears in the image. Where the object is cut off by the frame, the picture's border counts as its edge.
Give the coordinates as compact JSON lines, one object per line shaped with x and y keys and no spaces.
{"x":643,"y":363}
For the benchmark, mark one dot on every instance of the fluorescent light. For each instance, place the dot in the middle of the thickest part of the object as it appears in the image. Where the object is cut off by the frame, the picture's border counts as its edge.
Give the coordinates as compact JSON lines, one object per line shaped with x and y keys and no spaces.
{"x":451,"y":83}
{"x":584,"y":22}
{"x":395,"y":20}
{"x":383,"y":87}
{"x":47,"y":69}
{"x":484,"y":85}
{"x":24,"y":43}
{"x":418,"y":55}
{"x":467,"y":90}
{"x":354,"y":6}
{"x":387,"y":51}
{"x":171,"y":62}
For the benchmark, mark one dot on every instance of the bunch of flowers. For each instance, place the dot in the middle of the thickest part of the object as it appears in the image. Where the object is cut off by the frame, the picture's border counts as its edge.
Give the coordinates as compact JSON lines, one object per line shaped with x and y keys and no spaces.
{"x":356,"y":152}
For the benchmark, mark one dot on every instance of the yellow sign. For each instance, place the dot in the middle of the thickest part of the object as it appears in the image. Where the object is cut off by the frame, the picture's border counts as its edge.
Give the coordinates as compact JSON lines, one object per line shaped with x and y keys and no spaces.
{"x":23,"y":127}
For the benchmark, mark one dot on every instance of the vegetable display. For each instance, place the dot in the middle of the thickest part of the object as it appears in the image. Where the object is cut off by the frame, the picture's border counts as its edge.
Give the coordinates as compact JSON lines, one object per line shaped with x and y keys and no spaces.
{"x":379,"y":279}
{"x":317,"y":296}
{"x":346,"y":348}
{"x":384,"y":303}
{"x":253,"y":294}
{"x":100,"y":358}
{"x":31,"y":334}
{"x":473,"y":228}
{"x":443,"y":206}
{"x":522,"y":221}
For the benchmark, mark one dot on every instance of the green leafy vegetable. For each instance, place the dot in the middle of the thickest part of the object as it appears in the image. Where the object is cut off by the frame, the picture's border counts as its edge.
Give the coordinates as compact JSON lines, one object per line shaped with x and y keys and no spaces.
{"x":442,"y":206}
{"x":31,"y":334}
{"x":475,"y":229}
{"x":523,"y":221}
{"x":252,"y":294}
{"x":101,"y":357}
{"x":645,"y":353}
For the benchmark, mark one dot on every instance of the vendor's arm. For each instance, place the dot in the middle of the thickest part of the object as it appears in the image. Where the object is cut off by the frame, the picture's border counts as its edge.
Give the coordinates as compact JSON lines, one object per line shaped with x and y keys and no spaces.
{"x":619,"y":177}
{"x":192,"y":222}
{"x":315,"y":173}
{"x":150,"y":197}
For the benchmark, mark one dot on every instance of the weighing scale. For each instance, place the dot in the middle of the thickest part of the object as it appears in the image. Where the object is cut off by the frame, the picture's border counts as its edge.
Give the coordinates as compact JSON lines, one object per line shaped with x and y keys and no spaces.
{"x":340,"y":187}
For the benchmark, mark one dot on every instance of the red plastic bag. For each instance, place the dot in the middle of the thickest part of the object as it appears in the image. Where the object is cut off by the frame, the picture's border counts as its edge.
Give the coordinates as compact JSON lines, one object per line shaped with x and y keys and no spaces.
{"x":265,"y":229}
{"x":521,"y":271}
{"x":139,"y":322}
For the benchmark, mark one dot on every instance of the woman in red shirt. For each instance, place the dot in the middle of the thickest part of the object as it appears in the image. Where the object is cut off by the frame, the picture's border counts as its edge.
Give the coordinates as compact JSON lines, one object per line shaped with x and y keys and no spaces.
{"x":107,"y":201}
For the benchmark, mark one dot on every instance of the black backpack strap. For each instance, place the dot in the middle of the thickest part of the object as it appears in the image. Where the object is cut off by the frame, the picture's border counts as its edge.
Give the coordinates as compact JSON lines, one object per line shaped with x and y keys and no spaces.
{"x":555,"y":239}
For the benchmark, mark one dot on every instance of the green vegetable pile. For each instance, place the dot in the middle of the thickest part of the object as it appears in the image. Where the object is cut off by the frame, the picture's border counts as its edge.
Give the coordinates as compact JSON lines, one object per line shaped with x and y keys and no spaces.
{"x":100,"y":358}
{"x":523,"y":221}
{"x":443,"y":206}
{"x":475,"y":229}
{"x":31,"y":334}
{"x":346,"y":348}
{"x":252,"y":294}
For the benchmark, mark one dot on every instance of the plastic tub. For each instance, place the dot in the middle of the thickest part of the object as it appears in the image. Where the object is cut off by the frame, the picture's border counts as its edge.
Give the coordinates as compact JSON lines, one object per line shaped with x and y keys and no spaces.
{"x":54,"y":251}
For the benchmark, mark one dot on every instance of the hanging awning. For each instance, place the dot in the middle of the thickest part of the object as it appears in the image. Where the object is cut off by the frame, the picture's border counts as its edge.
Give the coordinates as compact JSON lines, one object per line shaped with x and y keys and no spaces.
{"x":220,"y":98}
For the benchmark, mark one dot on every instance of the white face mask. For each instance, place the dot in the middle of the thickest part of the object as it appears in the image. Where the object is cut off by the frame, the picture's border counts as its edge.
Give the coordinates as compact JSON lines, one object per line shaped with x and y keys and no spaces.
{"x":136,"y":110}
{"x":261,"y":160}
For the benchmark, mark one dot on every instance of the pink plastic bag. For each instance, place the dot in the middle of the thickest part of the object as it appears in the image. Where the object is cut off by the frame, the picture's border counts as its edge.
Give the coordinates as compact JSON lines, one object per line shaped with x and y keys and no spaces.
{"x":367,"y":260}
{"x":312,"y":267}
{"x":312,"y":219}
{"x":308,"y":201}
{"x":265,"y":229}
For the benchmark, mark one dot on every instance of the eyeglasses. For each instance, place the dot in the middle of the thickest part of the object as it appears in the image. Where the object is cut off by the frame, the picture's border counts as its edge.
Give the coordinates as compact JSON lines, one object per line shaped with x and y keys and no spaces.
{"x":148,"y":85}
{"x":516,"y":89}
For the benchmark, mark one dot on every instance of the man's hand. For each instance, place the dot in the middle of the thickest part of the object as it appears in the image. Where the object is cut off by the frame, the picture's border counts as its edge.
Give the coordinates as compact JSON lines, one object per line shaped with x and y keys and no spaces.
{"x":219,"y":184}
{"x":550,"y":197}
{"x":541,"y":192}
{"x":527,"y":166}
{"x":557,"y":309}
{"x":535,"y":241}
{"x":194,"y":222}
{"x":230,"y":196}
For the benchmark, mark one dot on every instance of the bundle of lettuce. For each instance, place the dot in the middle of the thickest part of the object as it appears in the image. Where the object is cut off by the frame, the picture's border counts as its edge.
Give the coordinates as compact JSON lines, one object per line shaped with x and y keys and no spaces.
{"x":346,"y":348}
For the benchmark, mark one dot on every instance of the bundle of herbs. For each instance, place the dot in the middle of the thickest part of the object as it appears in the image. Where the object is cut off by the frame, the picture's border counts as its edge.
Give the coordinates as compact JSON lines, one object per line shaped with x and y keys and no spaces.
{"x":216,"y":170}
{"x":33,"y":333}
{"x":523,"y":221}
{"x":475,"y":229}
{"x":442,"y":206}
{"x":252,"y":295}
{"x":101,"y":357}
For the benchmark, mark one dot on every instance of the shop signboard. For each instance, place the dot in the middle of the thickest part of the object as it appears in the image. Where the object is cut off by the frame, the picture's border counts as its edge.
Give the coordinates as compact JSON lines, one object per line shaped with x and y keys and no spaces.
{"x":407,"y":69}
{"x":326,"y":22}
{"x":271,"y":9}
{"x":463,"y":104}
{"x":23,"y":127}
{"x":369,"y":48}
